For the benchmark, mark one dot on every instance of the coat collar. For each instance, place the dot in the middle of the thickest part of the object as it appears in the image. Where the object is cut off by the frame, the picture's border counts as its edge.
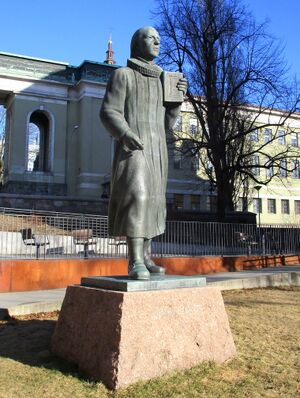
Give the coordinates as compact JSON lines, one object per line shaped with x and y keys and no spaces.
{"x":144,"y":68}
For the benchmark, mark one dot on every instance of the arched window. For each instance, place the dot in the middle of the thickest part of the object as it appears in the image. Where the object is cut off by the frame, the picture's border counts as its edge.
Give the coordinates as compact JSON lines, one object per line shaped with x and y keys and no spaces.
{"x":38,"y":143}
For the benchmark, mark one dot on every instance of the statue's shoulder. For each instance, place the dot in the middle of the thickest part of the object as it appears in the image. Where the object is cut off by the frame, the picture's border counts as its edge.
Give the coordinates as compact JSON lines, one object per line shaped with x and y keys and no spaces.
{"x":123,"y":71}
{"x":122,"y":74}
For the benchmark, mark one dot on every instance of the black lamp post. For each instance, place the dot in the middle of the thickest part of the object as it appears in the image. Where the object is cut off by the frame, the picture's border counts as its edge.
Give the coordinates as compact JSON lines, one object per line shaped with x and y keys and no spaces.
{"x":258,"y":188}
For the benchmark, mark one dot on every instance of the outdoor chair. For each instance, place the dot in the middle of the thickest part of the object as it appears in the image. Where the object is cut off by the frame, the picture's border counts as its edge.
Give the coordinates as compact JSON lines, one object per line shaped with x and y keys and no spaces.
{"x":247,"y":240}
{"x":118,"y":241}
{"x":31,"y":239}
{"x":272,"y":244}
{"x":84,"y":237}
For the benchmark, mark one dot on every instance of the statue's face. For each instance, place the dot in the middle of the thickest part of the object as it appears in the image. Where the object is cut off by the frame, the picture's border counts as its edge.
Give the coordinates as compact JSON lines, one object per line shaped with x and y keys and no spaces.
{"x":149,"y":43}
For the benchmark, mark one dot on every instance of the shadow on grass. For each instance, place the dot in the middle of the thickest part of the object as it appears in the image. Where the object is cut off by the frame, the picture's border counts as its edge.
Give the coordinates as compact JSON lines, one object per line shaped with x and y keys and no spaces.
{"x":29,"y":342}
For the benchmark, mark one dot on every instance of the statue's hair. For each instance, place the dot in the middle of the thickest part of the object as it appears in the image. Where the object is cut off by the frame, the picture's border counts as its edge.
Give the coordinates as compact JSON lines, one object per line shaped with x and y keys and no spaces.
{"x":134,"y":45}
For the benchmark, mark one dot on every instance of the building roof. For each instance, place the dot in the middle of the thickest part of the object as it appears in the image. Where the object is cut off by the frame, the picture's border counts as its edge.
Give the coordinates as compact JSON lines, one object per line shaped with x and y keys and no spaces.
{"x":41,"y":69}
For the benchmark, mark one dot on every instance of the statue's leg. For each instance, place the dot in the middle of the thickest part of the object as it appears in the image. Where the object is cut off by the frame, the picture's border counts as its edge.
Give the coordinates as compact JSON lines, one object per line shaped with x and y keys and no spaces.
{"x":136,"y":266}
{"x":151,"y":266}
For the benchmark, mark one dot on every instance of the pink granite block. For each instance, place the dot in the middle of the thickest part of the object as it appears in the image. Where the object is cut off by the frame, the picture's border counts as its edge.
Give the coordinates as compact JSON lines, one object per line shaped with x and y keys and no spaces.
{"x":120,"y":338}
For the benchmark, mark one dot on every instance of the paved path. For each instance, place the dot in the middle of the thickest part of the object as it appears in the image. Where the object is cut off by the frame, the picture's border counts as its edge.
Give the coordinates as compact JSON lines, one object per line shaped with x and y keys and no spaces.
{"x":264,"y":277}
{"x":22,"y":303}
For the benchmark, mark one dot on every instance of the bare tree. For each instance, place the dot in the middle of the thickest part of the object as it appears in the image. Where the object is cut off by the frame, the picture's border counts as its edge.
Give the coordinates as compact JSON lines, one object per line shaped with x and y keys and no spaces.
{"x":230,"y":62}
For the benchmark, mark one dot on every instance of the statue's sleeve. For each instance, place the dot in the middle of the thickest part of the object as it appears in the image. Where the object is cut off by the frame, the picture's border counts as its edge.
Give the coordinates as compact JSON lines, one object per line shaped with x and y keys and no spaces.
{"x":112,"y":110}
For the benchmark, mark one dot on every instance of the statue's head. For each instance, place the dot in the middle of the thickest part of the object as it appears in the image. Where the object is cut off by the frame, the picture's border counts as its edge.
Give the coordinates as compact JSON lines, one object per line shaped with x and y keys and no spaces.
{"x":145,"y":43}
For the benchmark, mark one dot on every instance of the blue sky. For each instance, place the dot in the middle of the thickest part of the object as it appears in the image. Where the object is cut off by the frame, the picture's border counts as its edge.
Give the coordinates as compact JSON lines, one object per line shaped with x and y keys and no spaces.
{"x":74,"y":30}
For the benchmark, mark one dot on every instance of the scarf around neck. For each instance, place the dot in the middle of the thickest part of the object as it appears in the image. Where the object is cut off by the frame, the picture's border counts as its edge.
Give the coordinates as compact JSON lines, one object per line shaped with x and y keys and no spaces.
{"x":144,"y":68}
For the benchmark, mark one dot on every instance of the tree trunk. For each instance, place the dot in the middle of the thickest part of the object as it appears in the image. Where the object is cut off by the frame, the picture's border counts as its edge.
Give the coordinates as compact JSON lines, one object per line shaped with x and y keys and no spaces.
{"x":224,"y":199}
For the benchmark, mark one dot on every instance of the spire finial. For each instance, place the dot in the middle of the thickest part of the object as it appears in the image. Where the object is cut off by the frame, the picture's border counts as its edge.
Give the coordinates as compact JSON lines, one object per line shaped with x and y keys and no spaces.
{"x":109,"y":53}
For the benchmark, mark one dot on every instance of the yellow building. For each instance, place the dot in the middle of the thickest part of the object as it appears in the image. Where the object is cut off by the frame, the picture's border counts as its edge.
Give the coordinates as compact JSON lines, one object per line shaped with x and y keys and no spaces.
{"x":279,"y":200}
{"x":276,"y":202}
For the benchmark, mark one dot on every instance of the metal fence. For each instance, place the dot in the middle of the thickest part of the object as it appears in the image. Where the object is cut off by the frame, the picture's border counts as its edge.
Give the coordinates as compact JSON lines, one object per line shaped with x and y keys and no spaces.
{"x":38,"y":234}
{"x":224,"y":239}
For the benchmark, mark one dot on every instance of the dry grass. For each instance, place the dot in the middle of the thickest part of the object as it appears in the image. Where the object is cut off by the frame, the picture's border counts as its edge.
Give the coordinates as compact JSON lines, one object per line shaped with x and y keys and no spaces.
{"x":265,"y":324}
{"x":10,"y":223}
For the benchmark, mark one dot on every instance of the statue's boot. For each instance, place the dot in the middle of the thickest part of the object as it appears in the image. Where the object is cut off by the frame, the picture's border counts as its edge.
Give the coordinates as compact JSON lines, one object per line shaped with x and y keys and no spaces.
{"x":136,"y":267}
{"x":149,"y":263}
{"x":139,"y":272}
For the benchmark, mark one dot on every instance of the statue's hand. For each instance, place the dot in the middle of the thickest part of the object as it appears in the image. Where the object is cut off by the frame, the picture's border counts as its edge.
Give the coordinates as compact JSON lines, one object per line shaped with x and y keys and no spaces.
{"x":131,"y":141}
{"x":182,"y":85}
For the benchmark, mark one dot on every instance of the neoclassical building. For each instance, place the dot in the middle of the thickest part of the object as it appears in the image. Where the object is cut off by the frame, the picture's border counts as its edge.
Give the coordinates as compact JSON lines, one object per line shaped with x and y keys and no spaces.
{"x":57,"y":154}
{"x":55,"y":146}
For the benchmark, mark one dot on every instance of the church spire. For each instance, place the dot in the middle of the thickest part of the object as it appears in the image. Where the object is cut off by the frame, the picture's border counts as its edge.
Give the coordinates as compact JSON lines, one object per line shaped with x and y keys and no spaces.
{"x":110,"y":54}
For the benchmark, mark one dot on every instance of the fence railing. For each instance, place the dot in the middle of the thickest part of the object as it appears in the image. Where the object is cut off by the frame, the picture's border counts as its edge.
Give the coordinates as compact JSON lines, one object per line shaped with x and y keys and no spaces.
{"x":38,"y":234}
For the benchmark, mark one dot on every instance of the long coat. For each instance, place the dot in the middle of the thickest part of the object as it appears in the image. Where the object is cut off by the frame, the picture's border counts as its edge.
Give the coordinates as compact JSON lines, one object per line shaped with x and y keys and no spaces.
{"x":134,"y":102}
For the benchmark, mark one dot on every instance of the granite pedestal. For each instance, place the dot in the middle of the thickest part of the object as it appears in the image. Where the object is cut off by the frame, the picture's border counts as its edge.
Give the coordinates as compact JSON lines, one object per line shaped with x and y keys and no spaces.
{"x":121,"y":337}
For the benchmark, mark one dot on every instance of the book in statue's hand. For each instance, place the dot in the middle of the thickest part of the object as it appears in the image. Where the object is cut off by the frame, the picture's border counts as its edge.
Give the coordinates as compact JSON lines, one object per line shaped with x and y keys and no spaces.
{"x":171,"y":92}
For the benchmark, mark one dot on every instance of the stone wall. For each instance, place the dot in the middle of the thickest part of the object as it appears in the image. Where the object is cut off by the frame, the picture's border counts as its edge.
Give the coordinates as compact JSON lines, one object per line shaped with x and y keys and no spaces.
{"x":34,"y":188}
{"x":54,"y":203}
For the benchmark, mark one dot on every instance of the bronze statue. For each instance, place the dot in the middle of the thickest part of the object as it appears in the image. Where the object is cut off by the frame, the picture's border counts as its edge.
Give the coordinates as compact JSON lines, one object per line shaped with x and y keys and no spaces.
{"x":136,"y":115}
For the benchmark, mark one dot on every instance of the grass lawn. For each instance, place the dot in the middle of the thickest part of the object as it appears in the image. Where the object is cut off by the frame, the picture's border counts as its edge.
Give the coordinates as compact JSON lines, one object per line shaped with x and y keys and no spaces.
{"x":265,"y":324}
